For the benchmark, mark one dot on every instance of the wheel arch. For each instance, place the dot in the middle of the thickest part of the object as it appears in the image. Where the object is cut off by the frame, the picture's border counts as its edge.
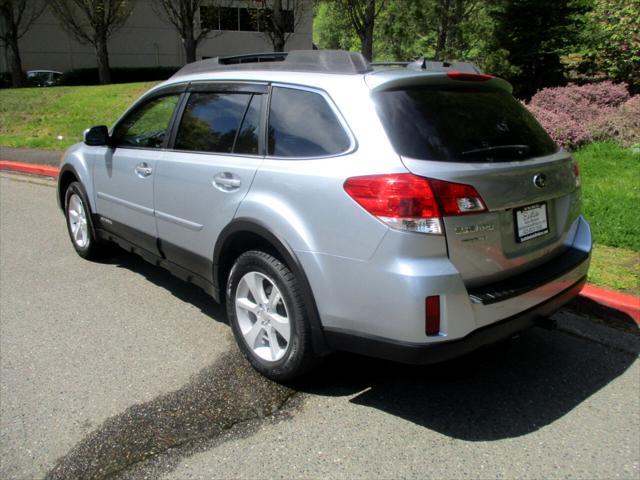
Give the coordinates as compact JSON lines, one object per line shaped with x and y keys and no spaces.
{"x":247,"y":234}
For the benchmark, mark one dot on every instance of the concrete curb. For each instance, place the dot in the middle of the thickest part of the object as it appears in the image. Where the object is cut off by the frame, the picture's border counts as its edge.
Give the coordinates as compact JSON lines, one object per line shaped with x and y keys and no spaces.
{"x":627,"y":304}
{"x":619,"y":301}
{"x":34,"y":169}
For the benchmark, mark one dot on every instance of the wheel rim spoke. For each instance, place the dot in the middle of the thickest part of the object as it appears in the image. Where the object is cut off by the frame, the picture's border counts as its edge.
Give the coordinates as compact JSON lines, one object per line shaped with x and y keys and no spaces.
{"x":256,"y":287}
{"x":274,"y":298}
{"x":273,"y":344}
{"x":281,"y":325}
{"x":247,"y":305}
{"x":252,"y":334}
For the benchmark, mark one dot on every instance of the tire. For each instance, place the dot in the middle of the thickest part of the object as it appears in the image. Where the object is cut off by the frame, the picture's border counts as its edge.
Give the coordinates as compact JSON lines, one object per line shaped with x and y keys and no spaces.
{"x":261,"y":293}
{"x":79,"y":223}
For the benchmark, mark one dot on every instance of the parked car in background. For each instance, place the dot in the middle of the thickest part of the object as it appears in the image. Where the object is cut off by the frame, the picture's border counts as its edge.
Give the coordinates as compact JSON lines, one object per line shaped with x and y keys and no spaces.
{"x":43,"y":78}
{"x":413,"y":213}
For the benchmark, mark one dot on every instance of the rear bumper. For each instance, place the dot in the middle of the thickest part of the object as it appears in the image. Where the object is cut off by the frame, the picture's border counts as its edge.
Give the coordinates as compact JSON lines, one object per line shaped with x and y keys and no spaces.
{"x":413,"y":353}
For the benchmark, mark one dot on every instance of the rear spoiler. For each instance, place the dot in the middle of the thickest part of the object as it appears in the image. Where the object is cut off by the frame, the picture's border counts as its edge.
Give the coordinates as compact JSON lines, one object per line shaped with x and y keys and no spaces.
{"x":393,"y":79}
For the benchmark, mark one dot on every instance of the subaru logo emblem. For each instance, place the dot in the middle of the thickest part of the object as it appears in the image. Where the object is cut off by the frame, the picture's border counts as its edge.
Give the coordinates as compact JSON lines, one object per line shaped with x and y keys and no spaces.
{"x":540,"y":180}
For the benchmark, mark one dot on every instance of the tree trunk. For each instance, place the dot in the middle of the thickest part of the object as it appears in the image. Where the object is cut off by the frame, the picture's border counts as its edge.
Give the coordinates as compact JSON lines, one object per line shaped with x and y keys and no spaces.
{"x":15,"y":62}
{"x":277,"y":38}
{"x":189,"y":46}
{"x":102,"y":55}
{"x":367,"y":43}
{"x":443,"y":29}
{"x":366,"y":38}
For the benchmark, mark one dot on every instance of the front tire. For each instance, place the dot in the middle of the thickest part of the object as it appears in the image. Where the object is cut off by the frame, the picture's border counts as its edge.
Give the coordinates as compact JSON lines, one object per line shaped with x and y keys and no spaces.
{"x":267,"y":316}
{"x":79,"y":223}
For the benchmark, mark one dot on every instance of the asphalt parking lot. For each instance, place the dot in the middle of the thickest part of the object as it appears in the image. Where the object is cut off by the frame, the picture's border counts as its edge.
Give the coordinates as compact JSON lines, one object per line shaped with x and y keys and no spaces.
{"x":118,"y":369}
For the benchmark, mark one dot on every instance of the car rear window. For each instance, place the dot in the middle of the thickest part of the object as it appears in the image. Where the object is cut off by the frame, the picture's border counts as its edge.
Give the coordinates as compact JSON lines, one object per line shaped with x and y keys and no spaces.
{"x":461,"y":125}
{"x":302,"y":124}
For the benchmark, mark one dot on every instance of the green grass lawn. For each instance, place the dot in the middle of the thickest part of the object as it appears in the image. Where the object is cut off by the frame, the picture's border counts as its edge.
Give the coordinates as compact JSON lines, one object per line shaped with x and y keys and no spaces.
{"x":611,"y":196}
{"x":36,"y":117}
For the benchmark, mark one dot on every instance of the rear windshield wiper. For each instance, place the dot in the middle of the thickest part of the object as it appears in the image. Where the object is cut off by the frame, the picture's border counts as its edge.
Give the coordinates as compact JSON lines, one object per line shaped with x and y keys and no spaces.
{"x":520,"y":149}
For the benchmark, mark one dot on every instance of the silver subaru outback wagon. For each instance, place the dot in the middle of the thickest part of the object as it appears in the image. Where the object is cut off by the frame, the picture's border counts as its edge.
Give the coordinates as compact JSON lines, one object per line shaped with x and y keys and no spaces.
{"x":414,"y":213}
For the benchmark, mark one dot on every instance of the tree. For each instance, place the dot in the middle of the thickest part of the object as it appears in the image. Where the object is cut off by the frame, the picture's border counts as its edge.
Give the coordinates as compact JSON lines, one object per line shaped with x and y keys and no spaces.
{"x":279,"y":19}
{"x":16,"y":17}
{"x":536,"y":33}
{"x":450,"y":16}
{"x":362,"y":14}
{"x":94,"y":22}
{"x":183,"y":15}
{"x":613,"y":46}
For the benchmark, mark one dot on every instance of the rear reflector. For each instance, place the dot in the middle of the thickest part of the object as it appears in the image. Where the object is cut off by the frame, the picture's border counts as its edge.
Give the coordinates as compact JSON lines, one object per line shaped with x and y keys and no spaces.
{"x":415,"y":204}
{"x":576,"y":174}
{"x":432,"y":315}
{"x":469,"y":77}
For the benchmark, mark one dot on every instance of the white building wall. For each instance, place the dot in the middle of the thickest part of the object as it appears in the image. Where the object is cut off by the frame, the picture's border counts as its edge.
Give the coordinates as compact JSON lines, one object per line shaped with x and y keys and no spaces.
{"x":146,"y":40}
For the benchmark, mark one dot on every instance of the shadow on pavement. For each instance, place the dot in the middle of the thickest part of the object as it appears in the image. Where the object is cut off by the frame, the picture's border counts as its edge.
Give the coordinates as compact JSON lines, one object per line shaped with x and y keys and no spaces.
{"x":503,"y":392}
{"x":184,"y":291}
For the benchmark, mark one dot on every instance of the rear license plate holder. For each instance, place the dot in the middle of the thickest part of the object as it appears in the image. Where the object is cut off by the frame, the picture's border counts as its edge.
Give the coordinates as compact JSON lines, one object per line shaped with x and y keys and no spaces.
{"x":531,"y":221}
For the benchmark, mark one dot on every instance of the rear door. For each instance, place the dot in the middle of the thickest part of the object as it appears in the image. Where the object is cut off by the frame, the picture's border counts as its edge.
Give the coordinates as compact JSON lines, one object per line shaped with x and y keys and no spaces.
{"x":123,"y":177}
{"x":199,"y":183}
{"x":483,"y":137}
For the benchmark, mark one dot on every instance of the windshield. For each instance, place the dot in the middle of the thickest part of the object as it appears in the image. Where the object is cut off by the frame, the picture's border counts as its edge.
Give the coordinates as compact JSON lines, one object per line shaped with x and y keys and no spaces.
{"x":461,"y":125}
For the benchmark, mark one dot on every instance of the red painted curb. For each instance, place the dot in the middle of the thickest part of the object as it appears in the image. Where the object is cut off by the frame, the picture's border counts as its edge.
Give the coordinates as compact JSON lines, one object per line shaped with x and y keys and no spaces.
{"x":619,"y":301}
{"x":44,"y":170}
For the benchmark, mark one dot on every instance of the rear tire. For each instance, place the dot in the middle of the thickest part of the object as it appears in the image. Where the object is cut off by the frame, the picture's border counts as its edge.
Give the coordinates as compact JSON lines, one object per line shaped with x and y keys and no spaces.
{"x":267,"y":316}
{"x":80,"y":224}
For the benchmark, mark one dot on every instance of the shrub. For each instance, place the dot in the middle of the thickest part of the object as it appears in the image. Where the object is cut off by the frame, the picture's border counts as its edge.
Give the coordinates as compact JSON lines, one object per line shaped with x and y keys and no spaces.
{"x":621,"y":125}
{"x":568,"y":113}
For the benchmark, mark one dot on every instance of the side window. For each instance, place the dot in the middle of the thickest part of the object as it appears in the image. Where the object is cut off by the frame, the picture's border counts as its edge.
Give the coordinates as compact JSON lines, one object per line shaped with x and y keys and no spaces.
{"x":301,"y":124}
{"x":147,"y":126}
{"x":215,"y":122}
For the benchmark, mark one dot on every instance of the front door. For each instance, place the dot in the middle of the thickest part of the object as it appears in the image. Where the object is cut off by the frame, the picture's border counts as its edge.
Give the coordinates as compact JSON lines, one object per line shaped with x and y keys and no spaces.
{"x":201,"y":181}
{"x":124,"y":177}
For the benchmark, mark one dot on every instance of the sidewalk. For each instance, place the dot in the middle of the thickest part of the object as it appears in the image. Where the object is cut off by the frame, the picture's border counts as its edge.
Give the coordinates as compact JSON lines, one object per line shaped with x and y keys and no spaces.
{"x":32,"y":155}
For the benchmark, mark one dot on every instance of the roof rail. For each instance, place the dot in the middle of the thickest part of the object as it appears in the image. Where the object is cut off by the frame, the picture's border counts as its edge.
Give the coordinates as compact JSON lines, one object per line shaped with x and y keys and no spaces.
{"x":321,"y":61}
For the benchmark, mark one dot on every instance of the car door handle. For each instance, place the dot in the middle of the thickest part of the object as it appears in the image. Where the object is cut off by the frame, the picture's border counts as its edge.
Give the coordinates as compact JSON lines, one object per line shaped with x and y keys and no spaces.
{"x":143,"y":170}
{"x":226,"y":181}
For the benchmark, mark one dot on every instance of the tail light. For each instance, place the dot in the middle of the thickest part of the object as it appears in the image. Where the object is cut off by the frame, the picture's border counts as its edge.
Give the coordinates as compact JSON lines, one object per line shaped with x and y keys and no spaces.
{"x":576,"y":174}
{"x":432,"y":315}
{"x":415,"y":204}
{"x":469,"y":77}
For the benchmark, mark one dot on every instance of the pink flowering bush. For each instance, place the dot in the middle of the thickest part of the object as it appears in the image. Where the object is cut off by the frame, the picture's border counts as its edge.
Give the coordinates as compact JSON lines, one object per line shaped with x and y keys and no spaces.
{"x":570,"y":113}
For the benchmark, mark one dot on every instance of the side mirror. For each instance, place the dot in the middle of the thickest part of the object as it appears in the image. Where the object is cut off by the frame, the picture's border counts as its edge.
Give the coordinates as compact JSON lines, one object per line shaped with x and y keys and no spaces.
{"x":96,"y":136}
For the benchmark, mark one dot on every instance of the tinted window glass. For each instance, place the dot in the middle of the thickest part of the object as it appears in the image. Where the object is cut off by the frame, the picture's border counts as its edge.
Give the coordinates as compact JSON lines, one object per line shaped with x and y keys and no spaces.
{"x":301,"y":124}
{"x":210,"y":121}
{"x":466,"y":125}
{"x":147,"y":126}
{"x":247,"y":139}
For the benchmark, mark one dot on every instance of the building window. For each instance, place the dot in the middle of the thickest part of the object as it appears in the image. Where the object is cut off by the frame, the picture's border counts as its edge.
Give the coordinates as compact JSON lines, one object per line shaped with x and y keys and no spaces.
{"x":241,"y":18}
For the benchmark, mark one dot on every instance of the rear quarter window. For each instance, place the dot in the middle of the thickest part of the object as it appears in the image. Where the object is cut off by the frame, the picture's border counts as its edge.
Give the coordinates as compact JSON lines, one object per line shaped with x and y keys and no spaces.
{"x":461,"y":125}
{"x":302,"y":124}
